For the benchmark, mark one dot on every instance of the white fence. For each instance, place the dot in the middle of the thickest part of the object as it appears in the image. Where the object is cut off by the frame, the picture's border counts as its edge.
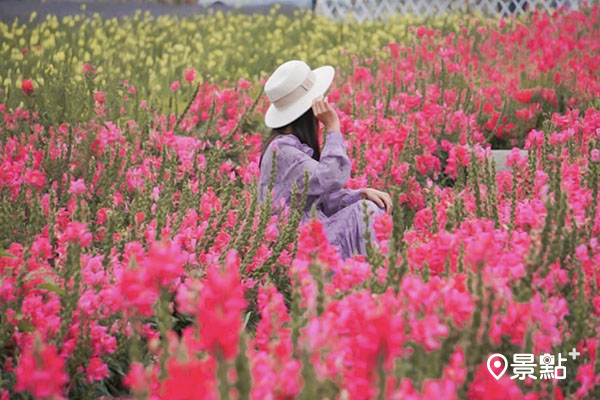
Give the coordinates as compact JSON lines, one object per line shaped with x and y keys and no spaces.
{"x":374,"y":9}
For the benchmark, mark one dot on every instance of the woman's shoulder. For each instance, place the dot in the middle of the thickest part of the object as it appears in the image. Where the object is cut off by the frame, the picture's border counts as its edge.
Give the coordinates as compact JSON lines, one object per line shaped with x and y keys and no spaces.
{"x":286,"y":139}
{"x":287,"y":142}
{"x":290,"y":146}
{"x":278,"y":143}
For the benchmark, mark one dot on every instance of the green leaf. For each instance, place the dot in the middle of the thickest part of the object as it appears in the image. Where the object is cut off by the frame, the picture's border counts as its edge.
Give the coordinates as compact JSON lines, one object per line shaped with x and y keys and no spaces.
{"x":51,"y":287}
{"x":25,"y":326}
{"x":3,"y":253}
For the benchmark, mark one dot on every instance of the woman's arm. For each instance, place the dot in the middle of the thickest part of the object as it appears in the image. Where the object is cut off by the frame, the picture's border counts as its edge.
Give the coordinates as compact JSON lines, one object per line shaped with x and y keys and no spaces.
{"x":333,"y":202}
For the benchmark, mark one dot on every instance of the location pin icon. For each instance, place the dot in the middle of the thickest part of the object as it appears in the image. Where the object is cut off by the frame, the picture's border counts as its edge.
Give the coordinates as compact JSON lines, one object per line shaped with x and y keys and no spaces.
{"x":497,"y":365}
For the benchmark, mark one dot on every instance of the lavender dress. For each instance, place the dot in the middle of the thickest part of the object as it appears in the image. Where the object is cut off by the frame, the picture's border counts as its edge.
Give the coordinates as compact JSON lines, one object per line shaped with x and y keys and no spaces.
{"x":340,"y":210}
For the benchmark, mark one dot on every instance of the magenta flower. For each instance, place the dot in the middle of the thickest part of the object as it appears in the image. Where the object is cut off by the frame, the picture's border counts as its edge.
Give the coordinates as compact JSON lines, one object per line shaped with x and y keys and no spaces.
{"x":41,"y":372}
{"x":190,"y":74}
{"x":100,"y":97}
{"x":96,"y":370}
{"x":77,"y":187}
{"x":27,"y":86}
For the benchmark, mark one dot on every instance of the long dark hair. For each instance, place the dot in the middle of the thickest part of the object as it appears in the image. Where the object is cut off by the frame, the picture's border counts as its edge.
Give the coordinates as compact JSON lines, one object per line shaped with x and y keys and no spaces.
{"x":305,"y":128}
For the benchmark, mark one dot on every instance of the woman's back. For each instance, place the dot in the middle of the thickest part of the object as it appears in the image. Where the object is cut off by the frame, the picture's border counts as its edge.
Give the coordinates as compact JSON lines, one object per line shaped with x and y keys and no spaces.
{"x":326,"y":176}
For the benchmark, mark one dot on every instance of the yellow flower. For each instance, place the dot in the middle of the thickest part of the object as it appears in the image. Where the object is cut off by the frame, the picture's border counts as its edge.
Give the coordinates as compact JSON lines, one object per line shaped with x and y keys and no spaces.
{"x":16,"y":55}
{"x":49,"y":43}
{"x":58,"y":57}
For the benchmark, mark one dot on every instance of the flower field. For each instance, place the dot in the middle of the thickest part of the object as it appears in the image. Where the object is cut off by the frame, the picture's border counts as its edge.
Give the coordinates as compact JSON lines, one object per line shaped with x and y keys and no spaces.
{"x":136,"y":262}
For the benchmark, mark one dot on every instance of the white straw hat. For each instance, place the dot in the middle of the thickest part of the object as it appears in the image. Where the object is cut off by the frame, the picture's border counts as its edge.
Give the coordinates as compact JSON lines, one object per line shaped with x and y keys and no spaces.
{"x":291,"y":90}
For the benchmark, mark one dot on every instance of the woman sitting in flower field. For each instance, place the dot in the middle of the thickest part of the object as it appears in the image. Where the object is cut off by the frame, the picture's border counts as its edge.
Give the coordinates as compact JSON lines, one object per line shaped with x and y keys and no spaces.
{"x":296,"y":93}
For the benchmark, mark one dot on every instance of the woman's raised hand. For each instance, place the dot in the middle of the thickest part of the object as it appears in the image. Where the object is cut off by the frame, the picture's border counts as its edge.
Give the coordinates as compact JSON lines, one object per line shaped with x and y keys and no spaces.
{"x":378,"y":197}
{"x":326,"y":114}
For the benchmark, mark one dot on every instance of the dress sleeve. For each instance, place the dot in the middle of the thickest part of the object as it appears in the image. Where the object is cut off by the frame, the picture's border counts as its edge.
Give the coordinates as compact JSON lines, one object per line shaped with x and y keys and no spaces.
{"x":333,"y":202}
{"x":328,"y":175}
